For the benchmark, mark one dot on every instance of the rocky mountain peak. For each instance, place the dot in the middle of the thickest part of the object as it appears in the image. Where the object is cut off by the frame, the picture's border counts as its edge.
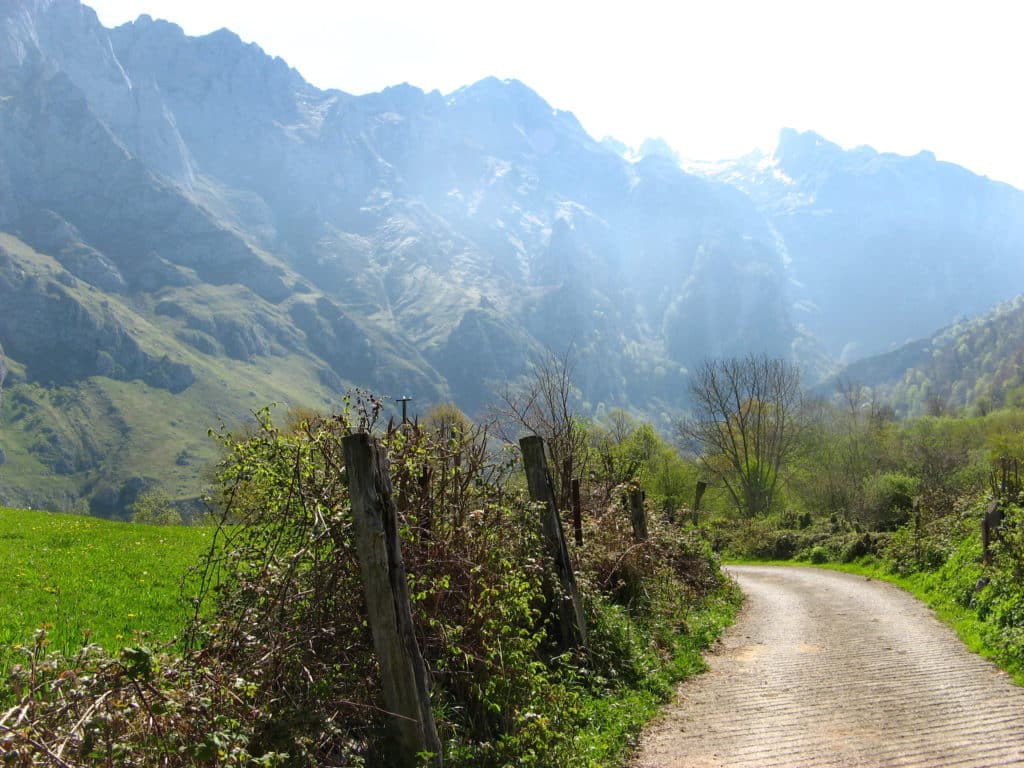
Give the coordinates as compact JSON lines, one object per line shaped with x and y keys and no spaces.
{"x":800,"y":153}
{"x":494,"y":89}
{"x":505,"y":105}
{"x":658,"y":147}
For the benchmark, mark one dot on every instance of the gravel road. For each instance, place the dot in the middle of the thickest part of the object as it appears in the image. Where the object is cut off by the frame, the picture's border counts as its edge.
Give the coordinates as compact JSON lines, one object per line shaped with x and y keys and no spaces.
{"x":830,"y":669}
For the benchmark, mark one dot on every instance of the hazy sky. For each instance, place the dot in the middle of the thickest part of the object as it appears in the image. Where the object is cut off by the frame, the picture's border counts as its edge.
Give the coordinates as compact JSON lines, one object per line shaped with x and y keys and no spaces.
{"x":715,"y":78}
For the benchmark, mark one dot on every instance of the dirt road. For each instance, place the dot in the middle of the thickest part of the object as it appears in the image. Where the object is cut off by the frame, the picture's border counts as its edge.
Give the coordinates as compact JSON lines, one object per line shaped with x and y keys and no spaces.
{"x":829,"y":669}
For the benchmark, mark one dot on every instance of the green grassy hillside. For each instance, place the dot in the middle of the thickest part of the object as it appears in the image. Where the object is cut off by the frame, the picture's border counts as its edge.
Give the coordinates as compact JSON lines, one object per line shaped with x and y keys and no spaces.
{"x":84,"y":578}
{"x":83,"y":429}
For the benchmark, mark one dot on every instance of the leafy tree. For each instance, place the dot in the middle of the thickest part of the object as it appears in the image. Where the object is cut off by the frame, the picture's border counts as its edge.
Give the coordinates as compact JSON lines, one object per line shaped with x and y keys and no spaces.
{"x":746,"y":423}
{"x":154,"y":507}
{"x":625,"y":450}
{"x":668,"y":479}
{"x":615,"y":456}
{"x":842,"y":441}
{"x":445,"y":420}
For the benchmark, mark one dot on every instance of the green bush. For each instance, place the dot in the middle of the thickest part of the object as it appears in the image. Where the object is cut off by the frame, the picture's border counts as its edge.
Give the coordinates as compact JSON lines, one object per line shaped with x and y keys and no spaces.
{"x":1001,"y":601}
{"x":888,"y":499}
{"x":863,"y":545}
{"x":154,"y":507}
{"x":908,"y":551}
{"x":819,"y":555}
{"x":279,"y":667}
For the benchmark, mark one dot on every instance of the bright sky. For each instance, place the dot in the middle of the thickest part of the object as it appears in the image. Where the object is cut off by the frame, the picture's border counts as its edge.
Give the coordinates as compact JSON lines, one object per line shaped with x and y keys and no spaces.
{"x":715,"y":78}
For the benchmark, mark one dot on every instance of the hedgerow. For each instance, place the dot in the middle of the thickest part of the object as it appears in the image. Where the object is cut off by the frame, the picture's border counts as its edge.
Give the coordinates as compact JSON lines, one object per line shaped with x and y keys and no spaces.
{"x":277,"y":668}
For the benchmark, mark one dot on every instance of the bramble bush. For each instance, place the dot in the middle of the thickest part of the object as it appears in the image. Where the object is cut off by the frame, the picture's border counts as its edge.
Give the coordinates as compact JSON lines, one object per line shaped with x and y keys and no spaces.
{"x":277,"y":668}
{"x":1001,"y":600}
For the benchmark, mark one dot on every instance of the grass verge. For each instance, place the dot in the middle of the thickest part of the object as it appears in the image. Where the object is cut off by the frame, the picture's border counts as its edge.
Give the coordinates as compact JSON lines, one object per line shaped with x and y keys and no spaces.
{"x":114,"y":584}
{"x":83,"y":579}
{"x":614,"y":723}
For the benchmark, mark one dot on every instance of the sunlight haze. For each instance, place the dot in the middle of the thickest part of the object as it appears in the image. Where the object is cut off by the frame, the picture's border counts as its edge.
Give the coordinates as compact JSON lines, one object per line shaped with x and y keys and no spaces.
{"x":715,"y":80}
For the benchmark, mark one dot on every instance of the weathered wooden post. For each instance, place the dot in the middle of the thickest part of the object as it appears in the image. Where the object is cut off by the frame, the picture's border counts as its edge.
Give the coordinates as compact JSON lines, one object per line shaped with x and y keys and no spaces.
{"x":701,"y":487}
{"x":570,"y":608}
{"x":638,"y":514}
{"x":403,"y":673}
{"x":917,"y":529}
{"x":990,"y":522}
{"x":577,"y":512}
{"x":565,"y":485}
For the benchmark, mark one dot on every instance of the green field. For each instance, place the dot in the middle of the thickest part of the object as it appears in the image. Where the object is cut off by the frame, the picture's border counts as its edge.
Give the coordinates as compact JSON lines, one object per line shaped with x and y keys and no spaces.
{"x":85,"y":578}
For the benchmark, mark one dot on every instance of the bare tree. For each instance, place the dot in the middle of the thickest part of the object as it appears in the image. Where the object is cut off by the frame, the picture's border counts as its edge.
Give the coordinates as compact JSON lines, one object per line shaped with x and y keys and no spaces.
{"x":853,"y":396}
{"x":545,"y":406}
{"x":745,"y":423}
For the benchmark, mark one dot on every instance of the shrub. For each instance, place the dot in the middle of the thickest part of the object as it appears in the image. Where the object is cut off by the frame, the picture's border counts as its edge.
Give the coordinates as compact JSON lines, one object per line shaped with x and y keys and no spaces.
{"x":154,"y":507}
{"x":888,"y":499}
{"x":856,"y":547}
{"x":909,"y":550}
{"x":819,"y":554}
{"x":277,"y":666}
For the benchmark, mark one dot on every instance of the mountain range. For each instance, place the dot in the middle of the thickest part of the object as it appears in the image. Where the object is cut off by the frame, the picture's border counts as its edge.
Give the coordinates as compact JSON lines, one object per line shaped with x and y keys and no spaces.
{"x":189,"y":230}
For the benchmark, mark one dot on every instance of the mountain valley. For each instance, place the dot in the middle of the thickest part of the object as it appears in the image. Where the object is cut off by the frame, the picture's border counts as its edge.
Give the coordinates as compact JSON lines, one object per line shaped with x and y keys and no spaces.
{"x":189,"y":231}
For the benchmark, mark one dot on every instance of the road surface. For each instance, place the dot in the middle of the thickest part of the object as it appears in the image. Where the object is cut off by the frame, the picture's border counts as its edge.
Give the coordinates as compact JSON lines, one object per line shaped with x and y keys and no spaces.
{"x":830,"y":669}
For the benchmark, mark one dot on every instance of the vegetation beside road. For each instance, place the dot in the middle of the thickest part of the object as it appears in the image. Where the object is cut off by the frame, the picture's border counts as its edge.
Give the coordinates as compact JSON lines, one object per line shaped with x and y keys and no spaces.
{"x":797,"y":479}
{"x":278,"y":670}
{"x":902,"y":500}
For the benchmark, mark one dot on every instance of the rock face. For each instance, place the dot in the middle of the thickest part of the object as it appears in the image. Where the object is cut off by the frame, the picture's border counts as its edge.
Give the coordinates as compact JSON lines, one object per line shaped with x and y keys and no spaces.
{"x":391,"y":229}
{"x":882,"y":248}
{"x":63,"y":336}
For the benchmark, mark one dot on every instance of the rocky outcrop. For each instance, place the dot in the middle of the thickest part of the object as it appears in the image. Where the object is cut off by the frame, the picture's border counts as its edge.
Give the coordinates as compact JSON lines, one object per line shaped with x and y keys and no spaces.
{"x":882,"y":248}
{"x":148,"y":161}
{"x":485,"y":351}
{"x":47,"y":232}
{"x":63,"y":335}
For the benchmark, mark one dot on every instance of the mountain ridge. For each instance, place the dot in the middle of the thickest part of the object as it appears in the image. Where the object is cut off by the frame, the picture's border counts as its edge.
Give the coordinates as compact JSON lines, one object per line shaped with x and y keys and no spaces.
{"x":974,"y":364}
{"x":911,"y":241}
{"x":218,"y":231}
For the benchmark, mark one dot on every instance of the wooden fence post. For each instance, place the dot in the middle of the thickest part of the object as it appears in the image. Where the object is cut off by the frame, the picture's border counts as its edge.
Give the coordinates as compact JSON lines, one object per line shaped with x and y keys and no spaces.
{"x":577,"y":512}
{"x":990,"y":522}
{"x":565,"y":486}
{"x":701,"y":487}
{"x":570,"y":607}
{"x":916,"y":508}
{"x":638,"y":514}
{"x":403,"y":673}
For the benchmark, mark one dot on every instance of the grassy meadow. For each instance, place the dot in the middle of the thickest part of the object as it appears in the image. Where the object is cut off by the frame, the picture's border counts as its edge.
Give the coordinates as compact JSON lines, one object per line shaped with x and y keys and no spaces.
{"x":87,"y":579}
